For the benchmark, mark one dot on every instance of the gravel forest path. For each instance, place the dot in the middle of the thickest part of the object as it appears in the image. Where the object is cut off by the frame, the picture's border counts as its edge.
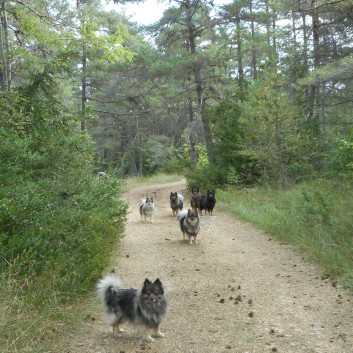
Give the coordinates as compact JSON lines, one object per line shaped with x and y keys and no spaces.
{"x":236,"y":291}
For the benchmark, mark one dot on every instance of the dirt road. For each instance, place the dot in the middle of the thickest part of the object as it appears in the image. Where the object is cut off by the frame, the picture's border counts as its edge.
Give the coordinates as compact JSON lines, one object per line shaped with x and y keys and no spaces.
{"x":236,"y":291}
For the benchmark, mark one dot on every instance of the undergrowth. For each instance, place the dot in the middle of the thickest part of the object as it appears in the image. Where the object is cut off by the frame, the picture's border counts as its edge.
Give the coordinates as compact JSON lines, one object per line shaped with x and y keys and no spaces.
{"x":50,"y":265}
{"x":42,"y":290}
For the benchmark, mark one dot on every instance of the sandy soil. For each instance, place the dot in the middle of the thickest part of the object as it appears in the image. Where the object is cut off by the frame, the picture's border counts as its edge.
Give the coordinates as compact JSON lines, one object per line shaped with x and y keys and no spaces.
{"x":236,"y":291}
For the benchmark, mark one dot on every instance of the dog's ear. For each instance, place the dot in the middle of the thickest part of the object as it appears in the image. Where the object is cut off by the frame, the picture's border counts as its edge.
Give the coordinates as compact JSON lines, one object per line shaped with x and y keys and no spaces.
{"x":159,"y":284}
{"x":147,"y":281}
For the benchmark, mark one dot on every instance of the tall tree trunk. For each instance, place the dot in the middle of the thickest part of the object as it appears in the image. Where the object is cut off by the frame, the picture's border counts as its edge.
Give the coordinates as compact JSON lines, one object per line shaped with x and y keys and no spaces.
{"x":271,"y":35}
{"x":274,"y":39}
{"x":268,"y":32}
{"x":192,"y":139}
{"x":293,"y":71}
{"x":128,"y":145}
{"x":308,"y":109}
{"x":192,"y":34}
{"x":253,"y":47}
{"x":5,"y":73}
{"x":282,"y":171}
{"x":140,"y":155}
{"x":84,"y":65}
{"x":313,"y":89}
{"x":83,"y":90}
{"x":239,"y":52}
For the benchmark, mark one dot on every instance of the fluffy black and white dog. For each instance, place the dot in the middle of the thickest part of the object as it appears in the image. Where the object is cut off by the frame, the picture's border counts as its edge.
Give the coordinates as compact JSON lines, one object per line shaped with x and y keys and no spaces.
{"x":176,"y":202}
{"x":189,"y":224}
{"x":146,"y":208}
{"x":145,"y":309}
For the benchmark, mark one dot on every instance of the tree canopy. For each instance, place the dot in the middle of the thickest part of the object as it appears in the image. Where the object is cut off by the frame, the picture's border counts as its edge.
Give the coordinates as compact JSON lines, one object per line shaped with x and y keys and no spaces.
{"x":280,"y":66}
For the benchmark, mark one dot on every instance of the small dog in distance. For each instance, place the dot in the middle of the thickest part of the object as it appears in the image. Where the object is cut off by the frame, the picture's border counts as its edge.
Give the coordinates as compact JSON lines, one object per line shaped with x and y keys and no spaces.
{"x":195,"y":198}
{"x":146,"y":208}
{"x":207,"y":202}
{"x":176,"y":202}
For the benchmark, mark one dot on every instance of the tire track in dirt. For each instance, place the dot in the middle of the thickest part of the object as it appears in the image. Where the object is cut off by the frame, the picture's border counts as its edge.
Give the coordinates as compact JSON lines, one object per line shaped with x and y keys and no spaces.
{"x":236,"y":291}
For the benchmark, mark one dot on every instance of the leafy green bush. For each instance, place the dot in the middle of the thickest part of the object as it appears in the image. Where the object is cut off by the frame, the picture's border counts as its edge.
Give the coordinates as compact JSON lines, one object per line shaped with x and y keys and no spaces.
{"x":54,"y":213}
{"x":205,"y":178}
{"x":340,"y":161}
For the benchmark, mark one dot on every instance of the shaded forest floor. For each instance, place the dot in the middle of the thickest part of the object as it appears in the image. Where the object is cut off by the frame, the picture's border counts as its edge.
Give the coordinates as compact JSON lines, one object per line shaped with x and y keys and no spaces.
{"x":237,"y":290}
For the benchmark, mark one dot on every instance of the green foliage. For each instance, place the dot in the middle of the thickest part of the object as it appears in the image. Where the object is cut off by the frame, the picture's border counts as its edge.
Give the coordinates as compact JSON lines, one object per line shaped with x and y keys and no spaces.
{"x":54,"y":214}
{"x":259,"y":139}
{"x":108,"y":46}
{"x":180,"y":159}
{"x":157,"y":153}
{"x":340,"y":161}
{"x":204,"y":178}
{"x":269,"y":123}
{"x":232,"y":164}
{"x":313,"y":216}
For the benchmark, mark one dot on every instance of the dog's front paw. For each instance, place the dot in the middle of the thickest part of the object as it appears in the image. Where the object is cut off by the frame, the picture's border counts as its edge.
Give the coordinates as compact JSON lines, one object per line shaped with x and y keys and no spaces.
{"x":148,"y":338}
{"x":159,"y":334}
{"x":117,"y":330}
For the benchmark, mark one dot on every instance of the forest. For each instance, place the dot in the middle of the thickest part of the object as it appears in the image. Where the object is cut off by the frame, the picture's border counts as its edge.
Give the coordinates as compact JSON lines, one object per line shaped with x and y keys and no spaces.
{"x":257,"y":91}
{"x":237,"y":96}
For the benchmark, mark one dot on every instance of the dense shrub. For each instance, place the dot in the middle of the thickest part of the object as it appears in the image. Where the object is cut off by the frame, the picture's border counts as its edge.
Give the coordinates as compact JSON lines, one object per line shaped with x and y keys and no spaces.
{"x":57,"y":220}
{"x":340,"y":161}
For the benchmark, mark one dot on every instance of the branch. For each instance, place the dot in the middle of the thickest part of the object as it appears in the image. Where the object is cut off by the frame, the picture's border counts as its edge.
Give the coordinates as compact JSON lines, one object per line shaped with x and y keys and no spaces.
{"x":319,"y":6}
{"x":121,"y":113}
{"x":43,"y":17}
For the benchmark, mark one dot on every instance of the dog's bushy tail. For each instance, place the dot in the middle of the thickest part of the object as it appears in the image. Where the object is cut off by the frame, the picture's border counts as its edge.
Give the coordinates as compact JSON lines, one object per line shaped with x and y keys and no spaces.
{"x":106,"y":284}
{"x":107,"y":288}
{"x":181,"y":215}
{"x":141,"y":204}
{"x":181,"y":201}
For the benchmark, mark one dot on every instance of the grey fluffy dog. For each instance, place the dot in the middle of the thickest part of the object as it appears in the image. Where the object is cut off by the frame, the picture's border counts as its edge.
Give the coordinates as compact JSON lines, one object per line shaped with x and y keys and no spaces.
{"x":146,"y":207}
{"x":144,"y":309}
{"x":189,"y":224}
{"x":176,"y":202}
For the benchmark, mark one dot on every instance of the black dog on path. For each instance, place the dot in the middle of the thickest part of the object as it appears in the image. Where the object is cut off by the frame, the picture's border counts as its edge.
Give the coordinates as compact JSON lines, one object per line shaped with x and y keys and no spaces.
{"x":207,"y":202}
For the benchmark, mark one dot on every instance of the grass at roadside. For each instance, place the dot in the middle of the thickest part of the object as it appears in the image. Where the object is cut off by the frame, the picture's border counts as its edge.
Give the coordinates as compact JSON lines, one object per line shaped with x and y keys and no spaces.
{"x":51,"y":259}
{"x":29,"y":326}
{"x":317,"y":217}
